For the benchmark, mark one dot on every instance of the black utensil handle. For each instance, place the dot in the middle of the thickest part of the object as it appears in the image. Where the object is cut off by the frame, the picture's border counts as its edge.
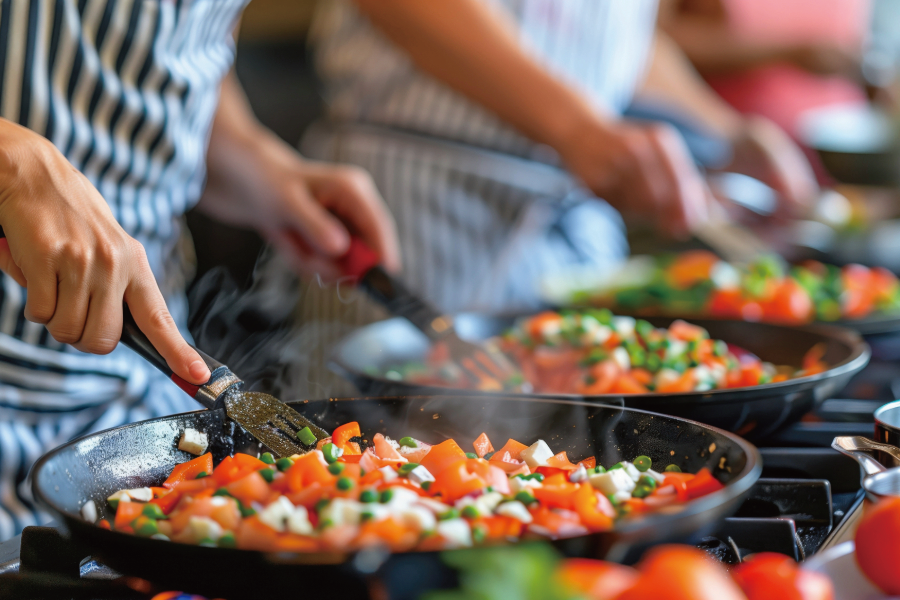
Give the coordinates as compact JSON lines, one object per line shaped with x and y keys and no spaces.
{"x":399,"y":301}
{"x":208,"y":394}
{"x":363,"y":264}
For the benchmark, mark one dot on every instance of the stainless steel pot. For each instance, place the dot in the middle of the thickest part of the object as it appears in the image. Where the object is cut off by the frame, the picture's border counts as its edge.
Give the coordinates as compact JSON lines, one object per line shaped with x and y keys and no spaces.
{"x":878,"y":481}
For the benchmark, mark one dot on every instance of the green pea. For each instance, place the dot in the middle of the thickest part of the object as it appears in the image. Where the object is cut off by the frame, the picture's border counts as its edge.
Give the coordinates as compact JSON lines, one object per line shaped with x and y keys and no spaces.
{"x":386,"y":496}
{"x":246,"y":511}
{"x":153,"y":511}
{"x":489,"y":455}
{"x":267,"y":458}
{"x":618,"y":465}
{"x":321,"y":504}
{"x":471,"y":455}
{"x":479,"y":534}
{"x":720,"y":348}
{"x":408,"y":442}
{"x":344,"y":484}
{"x":221,"y":492}
{"x":525,"y":498}
{"x":336,"y":468}
{"x":227,"y":540}
{"x":470,"y":512}
{"x":268,"y":475}
{"x":201,"y":475}
{"x":647,"y":481}
{"x":407,"y":468}
{"x":426,"y":485}
{"x":145,"y":526}
{"x":641,"y":491}
{"x":642,"y":463}
{"x":306,"y":436}
{"x":368,"y":496}
{"x":598,"y":469}
{"x":450,"y":514}
{"x":672,"y":469}
{"x":284,"y":464}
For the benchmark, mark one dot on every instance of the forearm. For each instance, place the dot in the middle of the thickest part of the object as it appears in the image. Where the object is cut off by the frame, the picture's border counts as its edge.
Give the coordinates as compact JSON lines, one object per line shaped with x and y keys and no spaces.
{"x":713,"y":47}
{"x":671,"y":79}
{"x":474,"y":49}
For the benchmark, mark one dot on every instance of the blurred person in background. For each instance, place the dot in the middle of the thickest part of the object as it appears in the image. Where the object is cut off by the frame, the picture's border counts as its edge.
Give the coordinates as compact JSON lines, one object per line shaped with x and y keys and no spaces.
{"x":775,"y":58}
{"x":494,"y":131}
{"x":115,"y":118}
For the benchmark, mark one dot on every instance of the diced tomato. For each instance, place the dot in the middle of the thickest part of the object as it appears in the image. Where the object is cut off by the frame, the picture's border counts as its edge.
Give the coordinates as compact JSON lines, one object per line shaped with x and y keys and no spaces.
{"x":561,"y":461}
{"x":342,"y":435}
{"x":190,"y":470}
{"x":555,"y":521}
{"x":309,"y":468}
{"x":537,"y":323}
{"x":589,"y":463}
{"x":385,"y":450}
{"x":685,"y":383}
{"x":250,"y":488}
{"x":455,"y":481}
{"x":492,"y":475}
{"x":702,"y":484}
{"x":691,"y":268}
{"x":557,"y":492}
{"x":790,"y":304}
{"x":126,"y":513}
{"x":499,"y":528}
{"x":482,"y":445}
{"x":595,"y":510}
{"x":687,"y":332}
{"x":442,"y":456}
{"x":627,"y":384}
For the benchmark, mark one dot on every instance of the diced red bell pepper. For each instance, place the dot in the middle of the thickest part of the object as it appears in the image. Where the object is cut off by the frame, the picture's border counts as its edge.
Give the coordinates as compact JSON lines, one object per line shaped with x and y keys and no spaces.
{"x":589,"y":463}
{"x":511,"y":447}
{"x":595,"y":510}
{"x":557,"y":492}
{"x":442,"y":456}
{"x":456,"y":481}
{"x":190,"y":470}
{"x":250,"y":488}
{"x":561,"y":461}
{"x":236,"y":467}
{"x":342,"y":435}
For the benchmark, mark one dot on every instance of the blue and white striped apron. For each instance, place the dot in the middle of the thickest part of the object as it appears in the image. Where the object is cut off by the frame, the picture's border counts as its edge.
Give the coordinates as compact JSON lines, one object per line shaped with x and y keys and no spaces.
{"x":483,"y":213}
{"x":127,"y":90}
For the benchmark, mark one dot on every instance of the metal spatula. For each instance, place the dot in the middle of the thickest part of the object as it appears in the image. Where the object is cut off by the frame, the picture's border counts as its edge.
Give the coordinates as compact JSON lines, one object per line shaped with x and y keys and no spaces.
{"x":266,"y":418}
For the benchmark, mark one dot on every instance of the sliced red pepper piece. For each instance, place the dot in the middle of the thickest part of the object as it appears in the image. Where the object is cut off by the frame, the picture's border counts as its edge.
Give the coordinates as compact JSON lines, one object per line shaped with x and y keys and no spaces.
{"x":190,"y":470}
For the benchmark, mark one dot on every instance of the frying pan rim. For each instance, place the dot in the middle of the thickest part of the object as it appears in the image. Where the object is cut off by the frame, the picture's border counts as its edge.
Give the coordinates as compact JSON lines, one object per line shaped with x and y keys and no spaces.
{"x":738,"y":486}
{"x":860,"y":354}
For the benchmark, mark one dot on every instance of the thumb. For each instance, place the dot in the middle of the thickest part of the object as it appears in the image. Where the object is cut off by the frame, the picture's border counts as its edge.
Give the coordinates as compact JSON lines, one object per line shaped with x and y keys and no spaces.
{"x":9,"y":266}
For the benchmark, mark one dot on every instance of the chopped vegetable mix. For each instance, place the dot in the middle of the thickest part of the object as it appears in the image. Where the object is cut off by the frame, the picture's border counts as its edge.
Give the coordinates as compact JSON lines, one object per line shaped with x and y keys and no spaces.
{"x":592,"y":352}
{"x":699,"y":283}
{"x":408,"y":496}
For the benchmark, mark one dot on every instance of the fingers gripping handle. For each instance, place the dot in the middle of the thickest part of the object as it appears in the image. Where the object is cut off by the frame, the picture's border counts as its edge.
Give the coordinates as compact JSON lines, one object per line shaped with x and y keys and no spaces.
{"x":207,"y":394}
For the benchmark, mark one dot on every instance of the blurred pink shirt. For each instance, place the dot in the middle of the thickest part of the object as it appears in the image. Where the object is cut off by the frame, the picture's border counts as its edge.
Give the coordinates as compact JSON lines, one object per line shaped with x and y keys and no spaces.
{"x":782,"y":92}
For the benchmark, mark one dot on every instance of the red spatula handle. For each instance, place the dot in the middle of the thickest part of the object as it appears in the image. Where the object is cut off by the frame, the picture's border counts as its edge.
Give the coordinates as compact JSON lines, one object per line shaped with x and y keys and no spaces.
{"x":359,"y":259}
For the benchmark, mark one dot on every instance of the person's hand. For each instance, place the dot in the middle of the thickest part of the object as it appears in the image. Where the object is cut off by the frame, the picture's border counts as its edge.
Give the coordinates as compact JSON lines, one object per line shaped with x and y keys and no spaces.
{"x":64,"y":246}
{"x":306,"y":209}
{"x":642,"y":170}
{"x":764,"y":151}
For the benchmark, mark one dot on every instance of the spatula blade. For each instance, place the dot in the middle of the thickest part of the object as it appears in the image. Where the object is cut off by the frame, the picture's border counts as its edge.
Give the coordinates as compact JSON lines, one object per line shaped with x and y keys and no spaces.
{"x":272,"y":422}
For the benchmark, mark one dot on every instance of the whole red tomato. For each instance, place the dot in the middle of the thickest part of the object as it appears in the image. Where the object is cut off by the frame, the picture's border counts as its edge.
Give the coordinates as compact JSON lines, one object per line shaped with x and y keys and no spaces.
{"x":877,"y":550}
{"x":597,"y":579}
{"x":681,"y":573}
{"x":773,"y":576}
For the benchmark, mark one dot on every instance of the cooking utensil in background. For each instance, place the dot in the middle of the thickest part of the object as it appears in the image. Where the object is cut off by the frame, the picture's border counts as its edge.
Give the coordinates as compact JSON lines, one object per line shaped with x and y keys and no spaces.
{"x":142,"y":454}
{"x":753,"y":412}
{"x":477,"y":362}
{"x":266,"y":418}
{"x":878,"y":481}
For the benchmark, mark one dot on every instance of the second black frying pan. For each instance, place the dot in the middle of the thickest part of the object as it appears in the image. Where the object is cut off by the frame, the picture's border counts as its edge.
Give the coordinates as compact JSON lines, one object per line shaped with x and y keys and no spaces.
{"x":753,"y":412}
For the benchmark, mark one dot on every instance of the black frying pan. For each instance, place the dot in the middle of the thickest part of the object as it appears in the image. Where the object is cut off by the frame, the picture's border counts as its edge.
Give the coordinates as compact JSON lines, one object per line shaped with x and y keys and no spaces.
{"x":143,"y":454}
{"x":753,"y":412}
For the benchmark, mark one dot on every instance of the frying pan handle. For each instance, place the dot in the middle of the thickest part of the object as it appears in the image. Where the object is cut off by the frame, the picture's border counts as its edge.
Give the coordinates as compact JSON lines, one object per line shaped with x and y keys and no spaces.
{"x":208,"y":394}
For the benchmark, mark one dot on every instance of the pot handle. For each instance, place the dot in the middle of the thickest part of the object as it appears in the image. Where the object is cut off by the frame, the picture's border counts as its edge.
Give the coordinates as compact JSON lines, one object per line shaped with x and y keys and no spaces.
{"x":858,"y":448}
